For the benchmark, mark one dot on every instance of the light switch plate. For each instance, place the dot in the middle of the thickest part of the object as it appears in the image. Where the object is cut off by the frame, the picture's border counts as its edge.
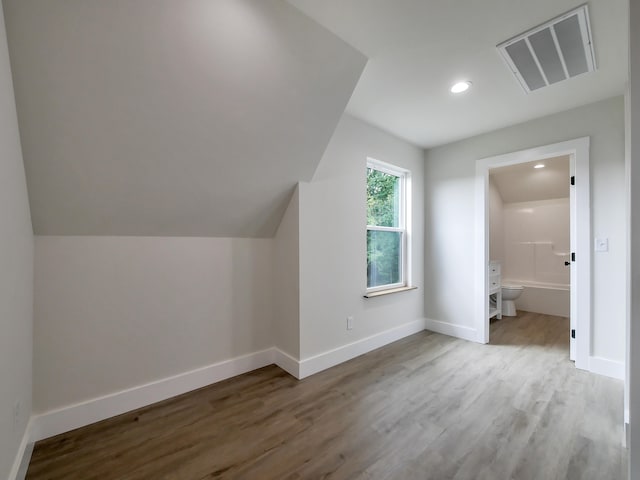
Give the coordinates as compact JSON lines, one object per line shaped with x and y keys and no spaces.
{"x":602,"y":244}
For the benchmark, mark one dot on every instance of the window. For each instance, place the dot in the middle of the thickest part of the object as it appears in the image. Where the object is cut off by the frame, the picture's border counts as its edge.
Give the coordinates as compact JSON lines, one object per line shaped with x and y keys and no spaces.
{"x":387,"y":232}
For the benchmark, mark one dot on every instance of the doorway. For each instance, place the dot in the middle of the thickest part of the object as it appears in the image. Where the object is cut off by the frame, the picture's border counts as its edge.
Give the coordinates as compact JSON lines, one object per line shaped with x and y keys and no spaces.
{"x":580,"y":233}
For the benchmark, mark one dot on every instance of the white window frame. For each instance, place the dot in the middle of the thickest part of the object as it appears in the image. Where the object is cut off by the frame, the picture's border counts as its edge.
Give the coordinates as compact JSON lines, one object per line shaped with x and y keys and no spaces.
{"x":404,"y":223}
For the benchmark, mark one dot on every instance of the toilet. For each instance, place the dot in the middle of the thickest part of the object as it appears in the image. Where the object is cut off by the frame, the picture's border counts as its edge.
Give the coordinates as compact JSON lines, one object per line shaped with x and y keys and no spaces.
{"x":510,"y":292}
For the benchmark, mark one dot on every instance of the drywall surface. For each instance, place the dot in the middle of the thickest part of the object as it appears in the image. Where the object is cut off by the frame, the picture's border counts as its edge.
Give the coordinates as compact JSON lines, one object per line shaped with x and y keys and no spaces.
{"x":537,"y":242}
{"x":116,"y":312}
{"x":286,"y":280}
{"x":172,"y":118}
{"x":450,"y":215}
{"x":333,"y":263}
{"x":634,"y":202}
{"x":16,"y":275}
{"x":496,"y":224}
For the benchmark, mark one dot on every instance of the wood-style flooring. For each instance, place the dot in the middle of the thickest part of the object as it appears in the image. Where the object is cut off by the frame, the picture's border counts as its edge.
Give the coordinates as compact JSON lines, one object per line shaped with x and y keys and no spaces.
{"x":426,"y":407}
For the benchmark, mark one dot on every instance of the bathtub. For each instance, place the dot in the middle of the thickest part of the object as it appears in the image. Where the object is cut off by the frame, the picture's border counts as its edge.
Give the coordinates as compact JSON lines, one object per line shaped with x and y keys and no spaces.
{"x":540,"y":297}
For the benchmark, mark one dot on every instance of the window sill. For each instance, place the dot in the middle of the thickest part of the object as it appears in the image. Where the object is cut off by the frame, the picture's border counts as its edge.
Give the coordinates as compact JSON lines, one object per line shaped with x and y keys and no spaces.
{"x":379,"y":293}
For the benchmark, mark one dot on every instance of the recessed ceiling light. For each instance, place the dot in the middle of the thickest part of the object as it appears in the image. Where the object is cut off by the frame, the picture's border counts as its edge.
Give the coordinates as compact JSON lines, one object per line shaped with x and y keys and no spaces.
{"x":460,"y":87}
{"x":540,"y":165}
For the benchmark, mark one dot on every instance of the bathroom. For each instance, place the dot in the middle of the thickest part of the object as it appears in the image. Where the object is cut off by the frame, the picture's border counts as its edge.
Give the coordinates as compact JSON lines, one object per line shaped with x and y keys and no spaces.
{"x":529,"y":223}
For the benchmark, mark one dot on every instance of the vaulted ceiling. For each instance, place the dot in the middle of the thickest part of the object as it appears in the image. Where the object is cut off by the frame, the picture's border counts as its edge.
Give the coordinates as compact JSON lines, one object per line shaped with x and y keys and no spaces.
{"x":198,"y":117}
{"x":166,"y":117}
{"x":524,"y":183}
{"x":417,"y":49}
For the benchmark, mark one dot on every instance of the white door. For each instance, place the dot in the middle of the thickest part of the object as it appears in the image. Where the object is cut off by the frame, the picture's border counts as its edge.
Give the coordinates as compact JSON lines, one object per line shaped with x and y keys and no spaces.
{"x":573,"y":243}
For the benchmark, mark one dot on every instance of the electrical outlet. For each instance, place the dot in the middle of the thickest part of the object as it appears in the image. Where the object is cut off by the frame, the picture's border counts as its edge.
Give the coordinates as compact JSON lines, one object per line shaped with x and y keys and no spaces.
{"x":349,"y":323}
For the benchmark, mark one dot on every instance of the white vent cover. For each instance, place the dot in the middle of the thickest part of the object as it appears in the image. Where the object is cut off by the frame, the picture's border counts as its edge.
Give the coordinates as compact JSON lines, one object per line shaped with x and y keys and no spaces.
{"x":550,"y":53}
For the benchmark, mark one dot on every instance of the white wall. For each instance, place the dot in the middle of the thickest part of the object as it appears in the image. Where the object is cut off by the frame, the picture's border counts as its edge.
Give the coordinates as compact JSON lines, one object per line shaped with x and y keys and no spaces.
{"x":161,"y":118}
{"x":116,"y":312}
{"x":16,"y":275}
{"x":634,"y":202}
{"x":450,"y":215}
{"x":333,"y":242}
{"x":112,"y":313}
{"x":496,"y":224}
{"x":286,"y":280}
{"x":536,"y":241}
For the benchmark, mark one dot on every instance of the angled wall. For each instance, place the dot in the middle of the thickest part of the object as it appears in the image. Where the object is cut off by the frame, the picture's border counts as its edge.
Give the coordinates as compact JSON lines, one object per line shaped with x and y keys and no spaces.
{"x":172,"y":118}
{"x":121,"y":321}
{"x":158,"y":136}
{"x":16,"y":279}
{"x":333,"y":264}
{"x":286,"y":281}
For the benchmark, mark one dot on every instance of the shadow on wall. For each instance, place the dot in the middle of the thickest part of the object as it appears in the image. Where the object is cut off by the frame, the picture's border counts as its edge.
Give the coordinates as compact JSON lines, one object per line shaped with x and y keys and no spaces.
{"x":251,"y":296}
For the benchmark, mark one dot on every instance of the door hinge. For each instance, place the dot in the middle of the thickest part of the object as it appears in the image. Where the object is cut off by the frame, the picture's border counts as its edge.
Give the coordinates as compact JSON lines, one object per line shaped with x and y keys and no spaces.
{"x":573,"y":256}
{"x":573,"y":333}
{"x":573,"y":180}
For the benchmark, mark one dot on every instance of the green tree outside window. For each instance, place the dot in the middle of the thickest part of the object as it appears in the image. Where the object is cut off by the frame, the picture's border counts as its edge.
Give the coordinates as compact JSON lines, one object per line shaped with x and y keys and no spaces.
{"x":384,"y":247}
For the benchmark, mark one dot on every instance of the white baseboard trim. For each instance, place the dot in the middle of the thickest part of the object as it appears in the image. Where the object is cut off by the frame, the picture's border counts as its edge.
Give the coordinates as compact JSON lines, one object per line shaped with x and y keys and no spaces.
{"x":625,"y":433}
{"x":55,"y":422}
{"x":78,"y":415}
{"x":328,"y":359}
{"x":21,"y":462}
{"x":608,"y":368}
{"x":451,"y":329}
{"x":286,"y":362}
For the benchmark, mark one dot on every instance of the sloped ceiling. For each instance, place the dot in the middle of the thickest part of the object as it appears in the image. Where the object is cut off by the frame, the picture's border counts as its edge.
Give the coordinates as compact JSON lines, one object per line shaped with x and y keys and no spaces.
{"x":172,"y":117}
{"x":524,"y":183}
{"x":417,"y":49}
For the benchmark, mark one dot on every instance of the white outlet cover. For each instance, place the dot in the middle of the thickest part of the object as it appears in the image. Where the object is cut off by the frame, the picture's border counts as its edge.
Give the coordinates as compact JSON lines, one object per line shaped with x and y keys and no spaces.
{"x":602,"y":245}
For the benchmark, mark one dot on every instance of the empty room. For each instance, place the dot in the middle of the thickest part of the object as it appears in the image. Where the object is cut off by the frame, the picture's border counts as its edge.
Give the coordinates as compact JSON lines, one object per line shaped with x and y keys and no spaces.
{"x":303,"y":239}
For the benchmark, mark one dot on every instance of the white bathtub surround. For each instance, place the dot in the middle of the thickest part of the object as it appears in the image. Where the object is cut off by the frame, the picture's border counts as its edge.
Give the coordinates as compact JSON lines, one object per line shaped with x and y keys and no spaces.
{"x":547,"y":298}
{"x":537,"y":241}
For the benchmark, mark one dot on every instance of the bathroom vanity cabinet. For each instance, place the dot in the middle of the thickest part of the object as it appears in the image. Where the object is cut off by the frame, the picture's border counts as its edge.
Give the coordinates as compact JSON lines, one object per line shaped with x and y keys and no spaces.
{"x":495,"y":290}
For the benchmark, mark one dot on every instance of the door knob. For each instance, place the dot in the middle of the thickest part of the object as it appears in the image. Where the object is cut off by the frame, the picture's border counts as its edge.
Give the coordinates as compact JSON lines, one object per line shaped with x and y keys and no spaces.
{"x":567,"y":263}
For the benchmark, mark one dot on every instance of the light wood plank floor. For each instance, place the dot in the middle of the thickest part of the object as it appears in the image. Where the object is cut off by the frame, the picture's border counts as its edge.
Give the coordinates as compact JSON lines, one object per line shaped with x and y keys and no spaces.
{"x":425,"y":407}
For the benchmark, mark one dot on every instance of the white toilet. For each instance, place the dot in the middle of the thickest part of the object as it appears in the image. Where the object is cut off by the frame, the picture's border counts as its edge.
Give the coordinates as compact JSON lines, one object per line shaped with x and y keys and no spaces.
{"x":510,"y":293}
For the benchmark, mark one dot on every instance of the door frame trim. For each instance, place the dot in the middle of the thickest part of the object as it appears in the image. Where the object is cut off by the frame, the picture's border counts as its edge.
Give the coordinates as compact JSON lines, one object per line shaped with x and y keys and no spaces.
{"x":578,"y":150}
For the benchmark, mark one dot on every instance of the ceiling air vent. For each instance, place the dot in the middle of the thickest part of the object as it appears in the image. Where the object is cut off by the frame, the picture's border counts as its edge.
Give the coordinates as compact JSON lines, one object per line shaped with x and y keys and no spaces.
{"x":550,"y":53}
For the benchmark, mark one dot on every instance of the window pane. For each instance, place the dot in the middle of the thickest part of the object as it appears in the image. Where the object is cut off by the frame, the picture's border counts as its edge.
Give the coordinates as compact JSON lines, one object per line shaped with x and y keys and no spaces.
{"x":384,"y":258}
{"x":383,"y":199}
